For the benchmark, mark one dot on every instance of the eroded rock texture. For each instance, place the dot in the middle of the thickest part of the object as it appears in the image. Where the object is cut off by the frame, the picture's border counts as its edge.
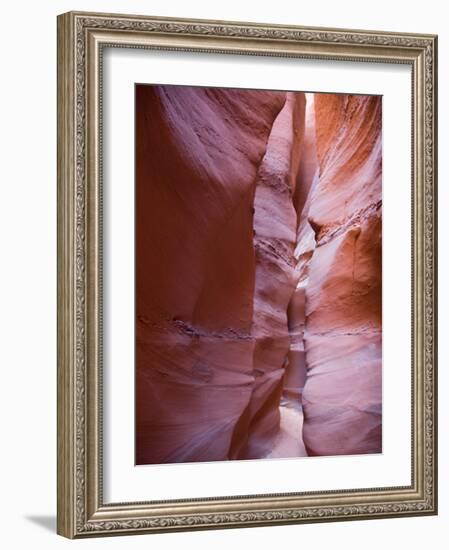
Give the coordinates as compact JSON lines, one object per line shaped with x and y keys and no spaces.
{"x":342,"y":274}
{"x":198,"y":155}
{"x":274,"y":243}
{"x":257,"y":259}
{"x":307,"y":177}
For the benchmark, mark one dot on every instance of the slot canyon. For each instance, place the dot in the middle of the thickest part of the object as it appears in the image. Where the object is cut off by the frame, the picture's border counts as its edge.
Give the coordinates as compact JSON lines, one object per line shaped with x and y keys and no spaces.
{"x":258,"y":274}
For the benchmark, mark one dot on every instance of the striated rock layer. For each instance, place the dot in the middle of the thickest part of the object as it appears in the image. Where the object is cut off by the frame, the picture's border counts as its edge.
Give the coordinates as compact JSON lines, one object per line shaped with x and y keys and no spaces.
{"x":198,"y":155}
{"x":258,"y":273}
{"x":274,"y":243}
{"x":342,"y":272}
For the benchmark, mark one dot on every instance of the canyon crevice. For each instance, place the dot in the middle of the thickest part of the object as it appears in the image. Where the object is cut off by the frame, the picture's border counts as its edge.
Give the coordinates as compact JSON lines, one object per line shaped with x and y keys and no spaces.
{"x":257,"y":273}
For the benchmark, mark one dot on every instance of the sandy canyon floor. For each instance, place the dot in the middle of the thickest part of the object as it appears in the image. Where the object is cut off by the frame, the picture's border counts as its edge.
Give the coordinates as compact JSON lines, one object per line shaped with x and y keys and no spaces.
{"x":289,"y":443}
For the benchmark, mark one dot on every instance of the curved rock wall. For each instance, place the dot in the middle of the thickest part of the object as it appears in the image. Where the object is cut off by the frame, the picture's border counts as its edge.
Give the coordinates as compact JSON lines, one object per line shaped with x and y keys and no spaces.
{"x":198,"y":155}
{"x":343,"y":391}
{"x":274,"y":243}
{"x":258,"y":242}
{"x":304,"y":245}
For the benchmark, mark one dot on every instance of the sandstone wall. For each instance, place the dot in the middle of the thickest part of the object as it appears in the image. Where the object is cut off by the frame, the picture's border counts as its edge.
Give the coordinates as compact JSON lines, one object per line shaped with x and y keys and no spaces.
{"x":342,"y":272}
{"x":306,"y":179}
{"x":198,"y":157}
{"x":258,"y":245}
{"x":275,"y":224}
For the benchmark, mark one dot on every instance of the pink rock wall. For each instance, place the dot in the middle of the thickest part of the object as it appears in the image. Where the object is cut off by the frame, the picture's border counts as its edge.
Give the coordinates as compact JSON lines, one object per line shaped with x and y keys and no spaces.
{"x":343,"y":391}
{"x":257,"y":272}
{"x":197,"y":159}
{"x":274,"y":243}
{"x":307,"y":176}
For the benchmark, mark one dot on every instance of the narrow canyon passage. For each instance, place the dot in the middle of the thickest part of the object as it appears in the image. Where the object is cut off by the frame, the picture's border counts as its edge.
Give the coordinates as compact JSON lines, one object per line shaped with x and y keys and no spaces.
{"x":274,"y":225}
{"x":289,"y":441}
{"x":251,"y":208}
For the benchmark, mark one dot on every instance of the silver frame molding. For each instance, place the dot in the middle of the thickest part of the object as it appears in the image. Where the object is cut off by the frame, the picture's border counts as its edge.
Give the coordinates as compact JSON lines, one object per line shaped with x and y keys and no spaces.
{"x":81,"y":39}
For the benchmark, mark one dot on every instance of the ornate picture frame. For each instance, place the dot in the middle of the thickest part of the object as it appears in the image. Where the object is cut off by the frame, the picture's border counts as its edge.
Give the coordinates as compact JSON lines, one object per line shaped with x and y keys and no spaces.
{"x":82,"y":40}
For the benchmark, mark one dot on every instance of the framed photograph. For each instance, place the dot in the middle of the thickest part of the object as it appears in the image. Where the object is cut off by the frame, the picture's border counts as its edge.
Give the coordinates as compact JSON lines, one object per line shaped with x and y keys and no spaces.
{"x":246,"y":274}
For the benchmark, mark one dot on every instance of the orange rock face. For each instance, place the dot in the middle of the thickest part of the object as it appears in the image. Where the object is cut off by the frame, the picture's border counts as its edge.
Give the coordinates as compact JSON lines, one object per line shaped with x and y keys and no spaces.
{"x":342,"y":397}
{"x":257,"y":272}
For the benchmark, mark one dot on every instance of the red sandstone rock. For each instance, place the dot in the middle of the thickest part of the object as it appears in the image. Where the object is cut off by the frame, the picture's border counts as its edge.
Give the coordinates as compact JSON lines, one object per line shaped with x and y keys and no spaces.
{"x":342,"y":402}
{"x":307,"y":178}
{"x":274,"y":242}
{"x":343,"y":390}
{"x":258,"y":244}
{"x":198,"y":153}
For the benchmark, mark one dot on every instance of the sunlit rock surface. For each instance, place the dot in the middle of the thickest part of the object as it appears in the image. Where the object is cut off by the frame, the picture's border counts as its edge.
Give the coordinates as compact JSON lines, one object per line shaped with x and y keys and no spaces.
{"x":307,"y":176}
{"x":343,"y":390}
